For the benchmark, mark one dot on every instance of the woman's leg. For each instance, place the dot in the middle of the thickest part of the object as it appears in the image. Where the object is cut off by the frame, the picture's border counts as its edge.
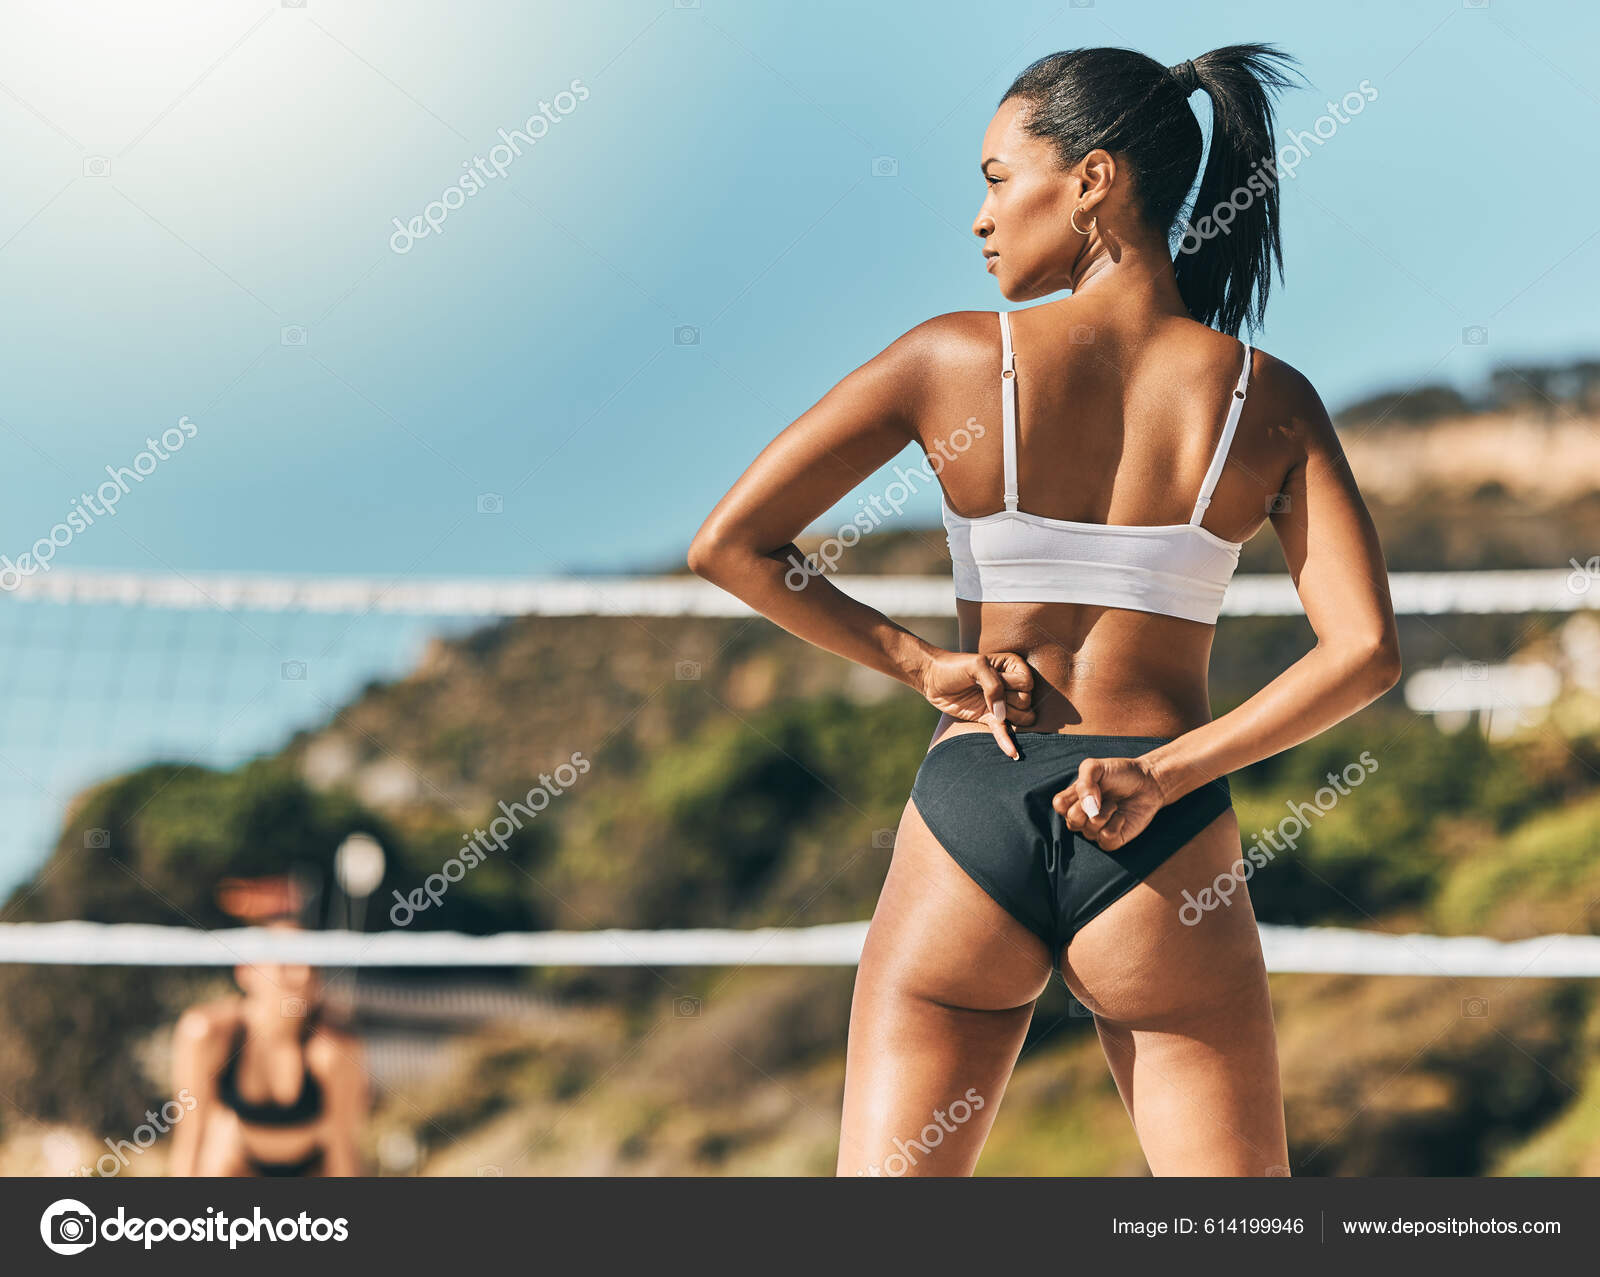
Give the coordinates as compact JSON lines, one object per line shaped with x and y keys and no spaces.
{"x":1185,"y":1017}
{"x":221,"y":1154}
{"x":943,"y":997}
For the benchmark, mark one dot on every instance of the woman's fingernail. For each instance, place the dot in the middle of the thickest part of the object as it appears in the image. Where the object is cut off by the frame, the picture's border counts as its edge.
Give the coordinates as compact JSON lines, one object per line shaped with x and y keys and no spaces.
{"x":1091,"y":808}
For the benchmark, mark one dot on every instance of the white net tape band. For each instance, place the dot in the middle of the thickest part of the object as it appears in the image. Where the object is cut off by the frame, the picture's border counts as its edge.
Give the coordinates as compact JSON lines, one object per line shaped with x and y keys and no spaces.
{"x":1288,"y":949}
{"x":1414,"y":593}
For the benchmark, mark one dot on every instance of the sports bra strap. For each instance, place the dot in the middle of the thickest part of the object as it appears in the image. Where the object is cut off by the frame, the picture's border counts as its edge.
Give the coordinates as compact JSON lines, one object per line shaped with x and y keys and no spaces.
{"x":1220,"y":457}
{"x":1008,"y":409}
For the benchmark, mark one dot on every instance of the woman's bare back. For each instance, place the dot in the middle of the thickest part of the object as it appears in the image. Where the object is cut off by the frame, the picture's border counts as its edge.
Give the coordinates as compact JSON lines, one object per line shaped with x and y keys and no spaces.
{"x":1118,"y":417}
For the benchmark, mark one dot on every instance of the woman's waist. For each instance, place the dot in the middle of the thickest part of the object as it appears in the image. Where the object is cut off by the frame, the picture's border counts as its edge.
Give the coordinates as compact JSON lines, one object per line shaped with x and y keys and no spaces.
{"x":1113,"y":696}
{"x":1113,"y":707}
{"x":1113,"y":666}
{"x":279,"y":1143}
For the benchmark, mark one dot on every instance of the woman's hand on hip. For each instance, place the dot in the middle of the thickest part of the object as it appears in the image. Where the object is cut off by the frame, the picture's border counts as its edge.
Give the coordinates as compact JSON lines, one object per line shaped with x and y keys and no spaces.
{"x":978,"y":687}
{"x":1112,"y":801}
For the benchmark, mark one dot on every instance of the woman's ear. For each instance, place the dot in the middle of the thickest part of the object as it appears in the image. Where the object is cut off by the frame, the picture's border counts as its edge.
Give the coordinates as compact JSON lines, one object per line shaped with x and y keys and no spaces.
{"x":1099,"y":169}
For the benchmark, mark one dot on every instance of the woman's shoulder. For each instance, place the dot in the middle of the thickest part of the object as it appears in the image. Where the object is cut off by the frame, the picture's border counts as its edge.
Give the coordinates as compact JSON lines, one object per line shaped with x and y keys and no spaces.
{"x":330,"y":1047}
{"x":208,"y":1023}
{"x":1278,"y":377}
{"x":1284,"y":419}
{"x":904,"y":375}
{"x":953,"y":335}
{"x":1288,"y":402}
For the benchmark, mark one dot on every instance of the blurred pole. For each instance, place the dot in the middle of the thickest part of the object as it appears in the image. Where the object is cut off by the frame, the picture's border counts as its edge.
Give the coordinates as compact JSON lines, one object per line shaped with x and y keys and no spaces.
{"x":358,"y":867}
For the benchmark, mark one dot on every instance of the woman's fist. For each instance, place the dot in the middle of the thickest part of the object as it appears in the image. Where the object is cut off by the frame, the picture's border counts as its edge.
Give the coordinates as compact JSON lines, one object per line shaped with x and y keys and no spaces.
{"x":992,"y":687}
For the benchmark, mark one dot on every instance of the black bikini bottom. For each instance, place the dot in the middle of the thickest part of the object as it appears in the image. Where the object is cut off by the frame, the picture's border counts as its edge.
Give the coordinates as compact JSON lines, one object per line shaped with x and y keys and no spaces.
{"x":992,"y":814}
{"x":310,"y":1164}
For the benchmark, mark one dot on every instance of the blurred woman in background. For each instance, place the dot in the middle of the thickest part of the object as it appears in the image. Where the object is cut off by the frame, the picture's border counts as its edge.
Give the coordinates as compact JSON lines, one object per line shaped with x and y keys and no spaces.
{"x":1102,"y":458}
{"x":279,"y":1091}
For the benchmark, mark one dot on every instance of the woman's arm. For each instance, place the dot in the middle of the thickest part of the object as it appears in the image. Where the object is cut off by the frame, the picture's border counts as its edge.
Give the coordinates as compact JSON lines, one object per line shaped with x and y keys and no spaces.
{"x":336,"y":1057}
{"x":746,"y":545}
{"x":1333,"y":555}
{"x":194,"y":1082}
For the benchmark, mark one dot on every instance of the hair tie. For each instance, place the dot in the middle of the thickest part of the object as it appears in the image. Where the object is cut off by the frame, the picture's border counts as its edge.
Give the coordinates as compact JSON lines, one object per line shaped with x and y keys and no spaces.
{"x":1187,"y":77}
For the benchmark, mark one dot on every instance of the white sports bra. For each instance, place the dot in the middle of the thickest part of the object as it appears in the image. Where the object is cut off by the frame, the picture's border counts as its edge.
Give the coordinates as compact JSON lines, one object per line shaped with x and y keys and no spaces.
{"x":1011,"y":556}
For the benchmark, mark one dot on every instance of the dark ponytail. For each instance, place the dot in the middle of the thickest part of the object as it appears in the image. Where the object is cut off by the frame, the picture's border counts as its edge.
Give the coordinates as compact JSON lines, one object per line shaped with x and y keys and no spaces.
{"x":1121,"y":101}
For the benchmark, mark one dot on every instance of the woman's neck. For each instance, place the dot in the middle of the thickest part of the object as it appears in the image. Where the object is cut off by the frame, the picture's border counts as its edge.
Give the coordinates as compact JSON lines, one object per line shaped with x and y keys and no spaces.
{"x":1139,"y":273}
{"x":267,"y":1023}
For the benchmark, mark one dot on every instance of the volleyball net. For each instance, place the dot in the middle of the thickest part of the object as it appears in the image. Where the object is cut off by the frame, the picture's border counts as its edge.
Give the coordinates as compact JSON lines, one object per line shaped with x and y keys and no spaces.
{"x":221,"y":667}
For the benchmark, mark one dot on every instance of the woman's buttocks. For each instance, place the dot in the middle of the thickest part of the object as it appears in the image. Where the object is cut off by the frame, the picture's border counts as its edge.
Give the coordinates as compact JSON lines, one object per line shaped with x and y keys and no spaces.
{"x":1100,"y":670}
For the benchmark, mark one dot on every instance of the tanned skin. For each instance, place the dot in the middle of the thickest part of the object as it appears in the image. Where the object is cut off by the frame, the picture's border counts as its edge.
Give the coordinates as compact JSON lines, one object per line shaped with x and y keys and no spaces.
{"x":212,"y":1140}
{"x":1121,"y":401}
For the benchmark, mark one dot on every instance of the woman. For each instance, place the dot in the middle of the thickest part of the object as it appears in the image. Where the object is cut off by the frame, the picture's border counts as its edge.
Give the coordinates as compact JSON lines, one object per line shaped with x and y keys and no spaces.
{"x":1092,"y":536}
{"x":278,"y":1091}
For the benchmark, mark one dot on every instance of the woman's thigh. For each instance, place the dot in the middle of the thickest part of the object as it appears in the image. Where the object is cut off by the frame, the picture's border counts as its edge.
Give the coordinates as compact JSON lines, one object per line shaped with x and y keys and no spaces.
{"x":943,"y":997}
{"x":221,"y":1154}
{"x":1181,"y":1000}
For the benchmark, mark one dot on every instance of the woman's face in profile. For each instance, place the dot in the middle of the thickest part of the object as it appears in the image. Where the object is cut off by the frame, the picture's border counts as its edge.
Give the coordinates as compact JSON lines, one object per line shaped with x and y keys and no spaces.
{"x":1024,"y":222}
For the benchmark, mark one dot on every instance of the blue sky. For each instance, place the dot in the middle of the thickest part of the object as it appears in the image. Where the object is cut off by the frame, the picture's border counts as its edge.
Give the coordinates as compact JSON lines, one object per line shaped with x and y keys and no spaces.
{"x":188,"y":182}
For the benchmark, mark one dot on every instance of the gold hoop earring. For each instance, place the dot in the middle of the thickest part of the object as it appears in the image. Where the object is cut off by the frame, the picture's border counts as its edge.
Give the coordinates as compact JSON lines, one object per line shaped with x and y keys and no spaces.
{"x":1073,"y":218}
